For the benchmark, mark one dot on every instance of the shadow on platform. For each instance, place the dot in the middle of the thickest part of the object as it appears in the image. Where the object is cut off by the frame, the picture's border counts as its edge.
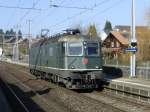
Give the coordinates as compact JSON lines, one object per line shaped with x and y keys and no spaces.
{"x":112,"y":72}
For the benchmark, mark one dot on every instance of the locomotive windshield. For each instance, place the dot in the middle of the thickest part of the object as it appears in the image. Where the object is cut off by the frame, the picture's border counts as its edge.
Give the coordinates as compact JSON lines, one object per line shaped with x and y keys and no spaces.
{"x":75,"y":48}
{"x":92,"y":49}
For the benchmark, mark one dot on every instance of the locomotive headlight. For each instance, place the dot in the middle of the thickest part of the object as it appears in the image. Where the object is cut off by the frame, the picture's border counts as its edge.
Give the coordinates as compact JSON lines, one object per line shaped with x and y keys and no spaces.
{"x":72,"y":67}
{"x":84,"y":43}
{"x":97,"y":67}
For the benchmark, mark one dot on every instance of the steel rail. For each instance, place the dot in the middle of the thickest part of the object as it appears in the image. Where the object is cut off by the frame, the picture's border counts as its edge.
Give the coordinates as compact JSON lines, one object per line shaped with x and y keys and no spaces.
{"x":12,"y":92}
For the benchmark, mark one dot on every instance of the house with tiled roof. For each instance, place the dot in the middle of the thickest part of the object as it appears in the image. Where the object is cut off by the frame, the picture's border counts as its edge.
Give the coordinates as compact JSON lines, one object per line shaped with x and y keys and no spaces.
{"x":114,"y":44}
{"x":125,"y":29}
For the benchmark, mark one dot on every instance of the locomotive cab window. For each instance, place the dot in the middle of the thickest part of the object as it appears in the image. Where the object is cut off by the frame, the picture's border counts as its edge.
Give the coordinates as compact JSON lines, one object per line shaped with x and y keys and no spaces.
{"x":75,"y":49}
{"x":92,"y":49}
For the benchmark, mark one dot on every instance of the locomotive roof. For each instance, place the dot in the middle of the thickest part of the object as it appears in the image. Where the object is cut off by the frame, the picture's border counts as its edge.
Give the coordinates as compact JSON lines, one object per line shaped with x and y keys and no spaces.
{"x":77,"y":38}
{"x":66,"y":37}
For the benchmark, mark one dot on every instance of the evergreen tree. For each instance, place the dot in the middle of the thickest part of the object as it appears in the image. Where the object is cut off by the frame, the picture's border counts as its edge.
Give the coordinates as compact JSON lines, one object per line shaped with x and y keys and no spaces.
{"x":12,"y":33}
{"x":38,"y":36}
{"x":92,"y":31}
{"x":19,"y":34}
{"x":7,"y":34}
{"x":108,"y":27}
{"x":1,"y":31}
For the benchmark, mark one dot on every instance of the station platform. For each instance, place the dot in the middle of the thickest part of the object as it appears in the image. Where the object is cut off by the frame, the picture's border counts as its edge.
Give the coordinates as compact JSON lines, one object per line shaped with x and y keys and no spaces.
{"x":4,"y":106}
{"x":134,"y":86}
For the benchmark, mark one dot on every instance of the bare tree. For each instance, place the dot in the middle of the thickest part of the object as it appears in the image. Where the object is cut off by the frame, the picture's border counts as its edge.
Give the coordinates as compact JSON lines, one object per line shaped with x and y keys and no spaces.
{"x":92,"y":31}
{"x":147,"y":14}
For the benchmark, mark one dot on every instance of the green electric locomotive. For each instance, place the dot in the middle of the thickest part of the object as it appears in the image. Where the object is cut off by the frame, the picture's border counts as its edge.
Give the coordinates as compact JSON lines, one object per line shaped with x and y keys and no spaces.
{"x":70,"y":59}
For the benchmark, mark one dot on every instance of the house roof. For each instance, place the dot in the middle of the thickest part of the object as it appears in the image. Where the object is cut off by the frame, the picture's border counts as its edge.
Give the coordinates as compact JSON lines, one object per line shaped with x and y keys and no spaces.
{"x":127,"y":28}
{"x":24,"y":41}
{"x":122,"y":27}
{"x":123,"y":40}
{"x":12,"y":40}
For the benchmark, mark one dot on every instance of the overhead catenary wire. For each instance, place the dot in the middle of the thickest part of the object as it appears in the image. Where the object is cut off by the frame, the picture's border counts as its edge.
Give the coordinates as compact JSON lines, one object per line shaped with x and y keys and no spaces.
{"x":78,"y":14}
{"x":15,"y":11}
{"x":73,"y":16}
{"x":17,"y":7}
{"x":70,"y":7}
{"x":106,"y":9}
{"x":82,"y":12}
{"x":101,"y":12}
{"x":50,"y":13}
{"x":23,"y":17}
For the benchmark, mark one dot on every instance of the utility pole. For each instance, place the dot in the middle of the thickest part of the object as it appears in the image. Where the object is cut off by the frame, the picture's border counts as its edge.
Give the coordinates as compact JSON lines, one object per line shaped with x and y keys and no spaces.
{"x":133,"y":43}
{"x":29,"y":33}
{"x":3,"y":37}
{"x":29,"y":38}
{"x":16,"y":47}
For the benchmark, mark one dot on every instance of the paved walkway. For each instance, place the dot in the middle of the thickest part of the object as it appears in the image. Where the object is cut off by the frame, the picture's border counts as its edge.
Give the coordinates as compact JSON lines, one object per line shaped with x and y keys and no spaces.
{"x":133,"y":81}
{"x":131,"y":85}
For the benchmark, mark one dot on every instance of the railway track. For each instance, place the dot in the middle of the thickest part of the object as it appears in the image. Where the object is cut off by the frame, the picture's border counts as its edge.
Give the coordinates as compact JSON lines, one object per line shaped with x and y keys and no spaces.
{"x":71,"y":101}
{"x":31,"y":97}
{"x":119,"y":102}
{"x":14,"y":100}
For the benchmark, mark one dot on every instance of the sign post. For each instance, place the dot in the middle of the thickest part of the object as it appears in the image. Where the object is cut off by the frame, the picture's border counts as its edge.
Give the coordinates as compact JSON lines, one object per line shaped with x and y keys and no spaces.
{"x":133,"y":43}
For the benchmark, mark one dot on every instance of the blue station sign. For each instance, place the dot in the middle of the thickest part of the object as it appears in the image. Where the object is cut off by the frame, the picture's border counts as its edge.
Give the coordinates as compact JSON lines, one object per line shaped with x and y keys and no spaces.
{"x":131,"y":50}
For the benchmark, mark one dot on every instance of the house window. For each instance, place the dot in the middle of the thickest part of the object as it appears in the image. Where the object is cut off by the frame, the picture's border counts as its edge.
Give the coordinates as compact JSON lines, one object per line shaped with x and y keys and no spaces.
{"x":112,"y":44}
{"x":117,"y":44}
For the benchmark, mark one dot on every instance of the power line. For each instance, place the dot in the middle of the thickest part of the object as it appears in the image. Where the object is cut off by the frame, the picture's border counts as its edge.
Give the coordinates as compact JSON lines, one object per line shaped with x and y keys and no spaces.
{"x":10,"y":19}
{"x":50,"y":12}
{"x":23,"y":17}
{"x":33,"y":6}
{"x":80,"y":13}
{"x":70,"y":7}
{"x":17,"y":7}
{"x":108,"y":8}
{"x":103,"y":11}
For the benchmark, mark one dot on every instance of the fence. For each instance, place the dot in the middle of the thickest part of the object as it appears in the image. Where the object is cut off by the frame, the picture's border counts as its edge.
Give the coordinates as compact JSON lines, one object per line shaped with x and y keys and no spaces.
{"x":124,"y":71}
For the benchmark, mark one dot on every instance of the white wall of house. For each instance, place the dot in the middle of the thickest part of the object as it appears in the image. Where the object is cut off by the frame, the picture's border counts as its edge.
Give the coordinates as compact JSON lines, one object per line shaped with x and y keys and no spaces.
{"x":0,"y":51}
{"x":103,"y":35}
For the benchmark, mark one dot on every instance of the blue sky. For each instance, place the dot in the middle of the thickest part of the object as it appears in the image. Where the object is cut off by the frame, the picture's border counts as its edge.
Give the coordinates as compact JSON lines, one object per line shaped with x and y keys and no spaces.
{"x":57,"y":19}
